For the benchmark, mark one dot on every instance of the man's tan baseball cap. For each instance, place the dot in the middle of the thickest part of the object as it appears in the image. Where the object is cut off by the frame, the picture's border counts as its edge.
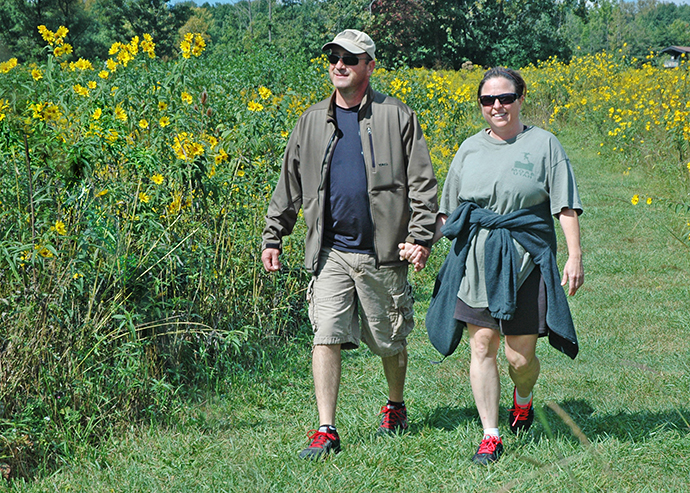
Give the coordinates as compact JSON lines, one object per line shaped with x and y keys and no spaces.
{"x":354,"y":41}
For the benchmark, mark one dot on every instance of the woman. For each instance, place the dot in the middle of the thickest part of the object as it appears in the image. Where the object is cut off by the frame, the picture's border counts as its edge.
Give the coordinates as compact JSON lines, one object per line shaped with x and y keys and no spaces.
{"x":502,"y":189}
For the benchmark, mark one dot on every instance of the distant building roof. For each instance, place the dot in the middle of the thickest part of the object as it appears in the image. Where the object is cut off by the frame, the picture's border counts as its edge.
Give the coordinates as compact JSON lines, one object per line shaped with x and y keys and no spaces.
{"x":676,"y":51}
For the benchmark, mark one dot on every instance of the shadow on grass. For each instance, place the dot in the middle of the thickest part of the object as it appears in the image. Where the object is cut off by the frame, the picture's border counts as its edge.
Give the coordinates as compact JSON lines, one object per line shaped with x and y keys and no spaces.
{"x":635,"y":426}
{"x":446,"y":418}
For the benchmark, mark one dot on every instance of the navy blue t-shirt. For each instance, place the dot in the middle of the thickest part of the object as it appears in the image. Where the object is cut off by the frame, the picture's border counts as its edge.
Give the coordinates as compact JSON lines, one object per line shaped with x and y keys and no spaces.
{"x":348,"y":226}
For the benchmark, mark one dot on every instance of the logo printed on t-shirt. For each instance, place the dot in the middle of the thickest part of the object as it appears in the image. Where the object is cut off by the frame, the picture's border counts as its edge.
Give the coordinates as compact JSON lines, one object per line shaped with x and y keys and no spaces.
{"x":524,"y":168}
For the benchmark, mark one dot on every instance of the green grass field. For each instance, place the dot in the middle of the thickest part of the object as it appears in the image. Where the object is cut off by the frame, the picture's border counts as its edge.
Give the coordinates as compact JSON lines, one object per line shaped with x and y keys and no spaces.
{"x":626,"y":397}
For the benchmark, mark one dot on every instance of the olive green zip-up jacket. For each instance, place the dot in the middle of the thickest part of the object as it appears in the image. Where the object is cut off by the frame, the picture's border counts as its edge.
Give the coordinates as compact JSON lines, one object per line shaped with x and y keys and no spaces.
{"x":401,"y":184}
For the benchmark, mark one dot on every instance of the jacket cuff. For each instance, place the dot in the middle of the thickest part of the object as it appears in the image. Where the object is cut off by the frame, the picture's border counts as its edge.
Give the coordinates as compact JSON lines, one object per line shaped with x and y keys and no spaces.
{"x":417,"y":241}
{"x":273,"y":245}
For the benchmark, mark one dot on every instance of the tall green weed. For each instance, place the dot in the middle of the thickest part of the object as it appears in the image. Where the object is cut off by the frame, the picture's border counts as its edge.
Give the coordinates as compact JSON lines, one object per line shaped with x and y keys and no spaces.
{"x":132,"y":203}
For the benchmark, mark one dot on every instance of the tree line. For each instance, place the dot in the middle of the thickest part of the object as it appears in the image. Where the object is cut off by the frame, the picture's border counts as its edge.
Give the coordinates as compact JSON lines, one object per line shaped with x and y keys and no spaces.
{"x":415,"y":33}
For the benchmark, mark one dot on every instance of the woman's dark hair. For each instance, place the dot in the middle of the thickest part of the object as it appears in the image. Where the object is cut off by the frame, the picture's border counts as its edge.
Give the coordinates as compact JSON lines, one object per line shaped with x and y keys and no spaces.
{"x":507,"y":73}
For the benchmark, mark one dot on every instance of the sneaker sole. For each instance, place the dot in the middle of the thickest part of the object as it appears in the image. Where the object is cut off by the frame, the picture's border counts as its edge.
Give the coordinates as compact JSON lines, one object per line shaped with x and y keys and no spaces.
{"x":390,"y":432}
{"x":316,"y":454}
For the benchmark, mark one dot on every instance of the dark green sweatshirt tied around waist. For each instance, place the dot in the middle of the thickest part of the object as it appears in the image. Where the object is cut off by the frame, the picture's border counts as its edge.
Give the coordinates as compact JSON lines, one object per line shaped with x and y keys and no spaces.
{"x":532,"y":228}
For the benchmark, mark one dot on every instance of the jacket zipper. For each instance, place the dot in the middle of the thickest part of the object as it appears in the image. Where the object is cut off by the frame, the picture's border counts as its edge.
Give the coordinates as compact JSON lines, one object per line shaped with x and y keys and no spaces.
{"x":371,"y":148}
{"x":373,"y":167}
{"x":322,"y":204}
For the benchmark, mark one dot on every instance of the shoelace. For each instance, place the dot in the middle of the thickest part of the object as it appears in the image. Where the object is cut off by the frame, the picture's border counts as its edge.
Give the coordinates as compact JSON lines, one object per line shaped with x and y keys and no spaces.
{"x":520,"y":413}
{"x":319,"y":438}
{"x":488,"y":445}
{"x":392,"y":417}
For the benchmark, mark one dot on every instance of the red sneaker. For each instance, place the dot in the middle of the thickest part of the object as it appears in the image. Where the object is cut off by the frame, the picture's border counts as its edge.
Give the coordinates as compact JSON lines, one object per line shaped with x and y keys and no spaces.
{"x":489,"y":450}
{"x":393,"y":420}
{"x":520,"y":417}
{"x":322,"y":443}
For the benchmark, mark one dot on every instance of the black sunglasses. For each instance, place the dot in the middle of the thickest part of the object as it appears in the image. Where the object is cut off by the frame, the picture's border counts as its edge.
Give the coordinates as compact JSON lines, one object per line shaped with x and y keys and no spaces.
{"x":350,"y":60}
{"x":490,"y":99}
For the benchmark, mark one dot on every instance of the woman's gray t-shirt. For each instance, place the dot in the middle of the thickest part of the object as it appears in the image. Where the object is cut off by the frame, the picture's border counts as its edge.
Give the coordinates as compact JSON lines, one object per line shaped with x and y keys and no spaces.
{"x":505,"y":176}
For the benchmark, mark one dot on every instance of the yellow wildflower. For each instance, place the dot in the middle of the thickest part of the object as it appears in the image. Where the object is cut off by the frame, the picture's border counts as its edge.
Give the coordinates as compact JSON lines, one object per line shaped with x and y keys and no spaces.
{"x":254,"y":106}
{"x":162,"y":106}
{"x":221,"y":156}
{"x":264,"y":92}
{"x":97,"y":114}
{"x":3,"y":107}
{"x":176,"y":204}
{"x":8,"y":65}
{"x":649,"y":200}
{"x":45,"y":111}
{"x":186,"y":97}
{"x":81,"y":90}
{"x":81,"y":64}
{"x":144,"y":197}
{"x":157,"y":178}
{"x":164,"y":122}
{"x":43,"y":251}
{"x":124,"y":57}
{"x":192,"y":44}
{"x":212,"y":141}
{"x":143,"y":123}
{"x":64,"y":49}
{"x":120,"y":114}
{"x":59,"y":228}
{"x":635,"y":199}
{"x":92,"y":84}
{"x":36,"y":74}
{"x":185,"y":148}
{"x":148,"y":46}
{"x":103,"y":74}
{"x":133,"y":46}
{"x":199,"y":45}
{"x":46,"y":34}
{"x":114,"y":48}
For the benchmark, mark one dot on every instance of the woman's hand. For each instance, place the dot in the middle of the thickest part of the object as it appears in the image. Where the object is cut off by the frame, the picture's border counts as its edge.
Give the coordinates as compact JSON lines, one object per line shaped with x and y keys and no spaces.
{"x":573,"y":272}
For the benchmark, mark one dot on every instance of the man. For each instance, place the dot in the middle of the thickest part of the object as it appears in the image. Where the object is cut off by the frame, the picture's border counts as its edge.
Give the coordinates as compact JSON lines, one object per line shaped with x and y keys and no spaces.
{"x":358,"y":165}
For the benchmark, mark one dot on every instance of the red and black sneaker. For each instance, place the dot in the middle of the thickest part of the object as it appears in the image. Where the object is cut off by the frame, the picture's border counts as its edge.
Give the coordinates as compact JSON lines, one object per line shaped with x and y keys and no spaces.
{"x":489,"y":450}
{"x":322,"y":443}
{"x":520,"y":417}
{"x":393,"y":420}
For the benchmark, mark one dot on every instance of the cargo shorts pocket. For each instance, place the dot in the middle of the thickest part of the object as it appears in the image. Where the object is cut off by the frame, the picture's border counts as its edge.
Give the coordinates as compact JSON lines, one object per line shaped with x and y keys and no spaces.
{"x":402,"y":313}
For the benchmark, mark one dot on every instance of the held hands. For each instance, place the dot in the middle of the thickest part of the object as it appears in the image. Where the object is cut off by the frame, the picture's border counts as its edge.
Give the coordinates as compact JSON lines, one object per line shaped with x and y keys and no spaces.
{"x":269,"y":257}
{"x":417,"y":255}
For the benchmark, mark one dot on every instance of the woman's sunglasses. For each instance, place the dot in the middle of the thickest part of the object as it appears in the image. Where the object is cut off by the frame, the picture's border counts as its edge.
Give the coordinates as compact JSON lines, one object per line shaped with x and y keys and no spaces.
{"x":350,"y":60}
{"x":490,"y":99}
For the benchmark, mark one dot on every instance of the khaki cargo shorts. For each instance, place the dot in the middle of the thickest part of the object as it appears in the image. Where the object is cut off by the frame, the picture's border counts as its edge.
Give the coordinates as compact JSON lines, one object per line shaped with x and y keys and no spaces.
{"x":348,"y":288}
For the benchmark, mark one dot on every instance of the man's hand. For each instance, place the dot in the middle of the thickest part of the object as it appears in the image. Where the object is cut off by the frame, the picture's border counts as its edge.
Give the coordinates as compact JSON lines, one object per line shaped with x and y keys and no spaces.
{"x":269,"y":257}
{"x":417,"y":255}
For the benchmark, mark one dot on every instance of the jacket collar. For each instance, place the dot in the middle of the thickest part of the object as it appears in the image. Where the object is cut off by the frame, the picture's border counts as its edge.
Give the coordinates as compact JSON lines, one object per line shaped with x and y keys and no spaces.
{"x":363,"y":105}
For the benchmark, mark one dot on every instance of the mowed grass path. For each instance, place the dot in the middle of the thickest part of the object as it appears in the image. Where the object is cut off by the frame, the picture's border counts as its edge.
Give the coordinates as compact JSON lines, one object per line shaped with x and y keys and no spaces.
{"x":627,"y":393}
